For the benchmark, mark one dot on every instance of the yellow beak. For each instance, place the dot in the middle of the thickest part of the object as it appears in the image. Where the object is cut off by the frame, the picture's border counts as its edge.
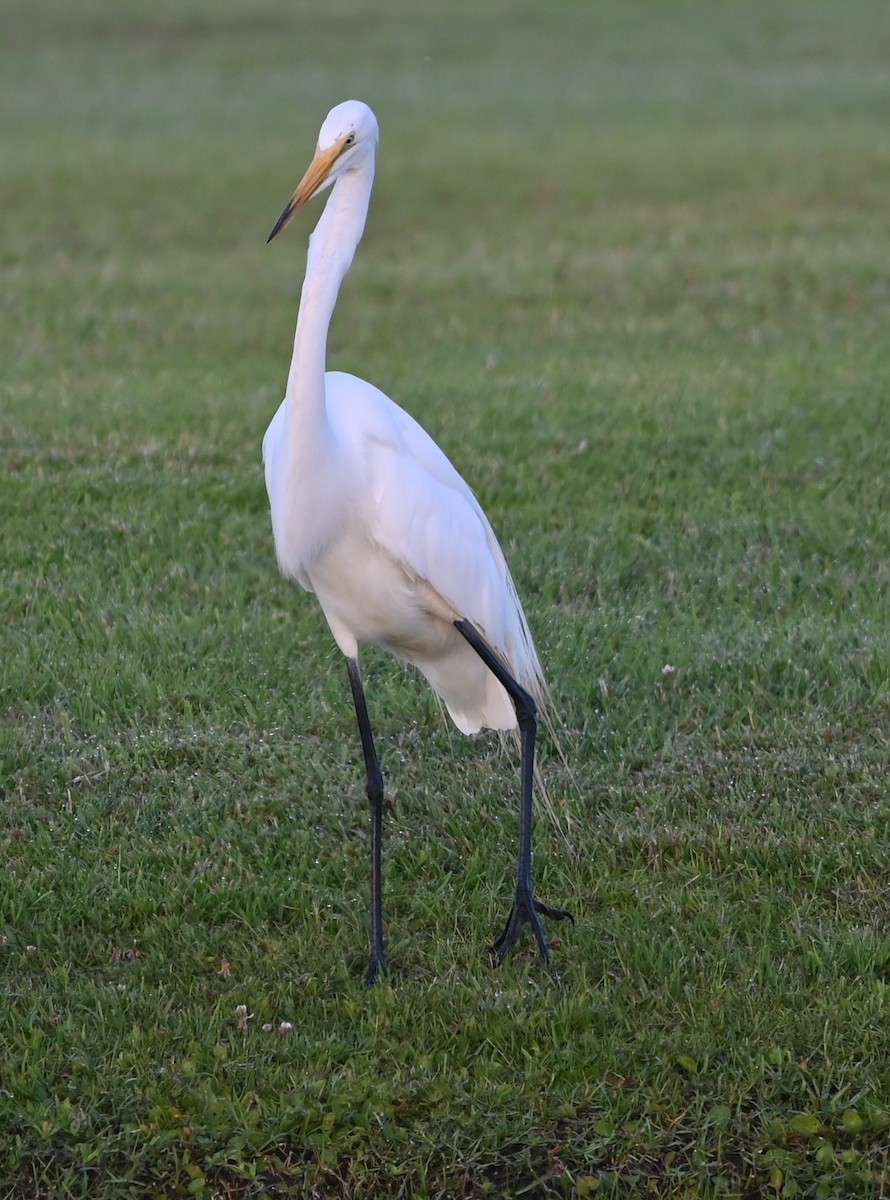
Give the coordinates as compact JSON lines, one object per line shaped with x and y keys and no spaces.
{"x":315,"y":177}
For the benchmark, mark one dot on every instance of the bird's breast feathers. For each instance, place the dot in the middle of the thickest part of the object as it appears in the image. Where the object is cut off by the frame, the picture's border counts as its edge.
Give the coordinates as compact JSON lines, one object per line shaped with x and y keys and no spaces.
{"x":379,"y":524}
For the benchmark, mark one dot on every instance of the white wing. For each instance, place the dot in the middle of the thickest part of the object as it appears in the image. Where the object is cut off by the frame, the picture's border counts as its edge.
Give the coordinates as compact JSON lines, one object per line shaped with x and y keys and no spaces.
{"x":425,"y":518}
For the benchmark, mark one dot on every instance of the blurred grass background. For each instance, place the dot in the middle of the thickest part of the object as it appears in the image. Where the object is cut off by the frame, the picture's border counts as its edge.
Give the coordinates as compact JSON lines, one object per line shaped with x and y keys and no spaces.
{"x":628,"y":264}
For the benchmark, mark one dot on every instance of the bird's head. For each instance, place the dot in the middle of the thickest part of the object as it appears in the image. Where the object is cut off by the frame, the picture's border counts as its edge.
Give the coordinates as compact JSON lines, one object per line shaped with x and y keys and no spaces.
{"x":347,"y":138}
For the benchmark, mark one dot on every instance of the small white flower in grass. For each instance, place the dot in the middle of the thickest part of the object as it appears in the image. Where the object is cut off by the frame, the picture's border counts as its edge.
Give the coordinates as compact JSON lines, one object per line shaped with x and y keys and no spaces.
{"x":284,"y":1028}
{"x":268,"y":1028}
{"x":31,"y":949}
{"x":243,"y":1016}
{"x":667,"y":669}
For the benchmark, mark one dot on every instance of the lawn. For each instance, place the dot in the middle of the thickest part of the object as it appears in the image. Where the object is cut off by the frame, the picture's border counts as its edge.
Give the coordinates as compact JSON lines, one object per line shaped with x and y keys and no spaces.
{"x":628,"y":264}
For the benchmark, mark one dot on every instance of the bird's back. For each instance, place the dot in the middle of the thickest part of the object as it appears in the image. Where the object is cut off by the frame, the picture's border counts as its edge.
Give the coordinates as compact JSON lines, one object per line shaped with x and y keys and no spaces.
{"x":410,"y":552}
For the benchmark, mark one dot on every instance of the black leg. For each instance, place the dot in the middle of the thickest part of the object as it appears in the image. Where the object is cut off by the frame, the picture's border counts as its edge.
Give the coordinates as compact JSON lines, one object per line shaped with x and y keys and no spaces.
{"x":374,"y":788}
{"x":525,"y":908}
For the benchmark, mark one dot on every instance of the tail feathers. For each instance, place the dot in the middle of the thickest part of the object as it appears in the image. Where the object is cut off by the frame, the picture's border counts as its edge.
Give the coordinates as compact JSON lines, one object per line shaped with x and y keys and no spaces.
{"x":533,"y":679}
{"x":526,"y":669}
{"x":560,"y":813}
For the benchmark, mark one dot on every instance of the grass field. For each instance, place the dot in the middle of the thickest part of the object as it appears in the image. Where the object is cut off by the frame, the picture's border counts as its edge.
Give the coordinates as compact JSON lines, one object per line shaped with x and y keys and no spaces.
{"x":629,"y":266}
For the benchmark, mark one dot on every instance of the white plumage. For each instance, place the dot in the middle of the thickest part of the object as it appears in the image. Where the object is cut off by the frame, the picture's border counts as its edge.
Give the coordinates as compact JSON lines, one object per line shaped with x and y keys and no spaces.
{"x":367,"y":512}
{"x":396,"y":548}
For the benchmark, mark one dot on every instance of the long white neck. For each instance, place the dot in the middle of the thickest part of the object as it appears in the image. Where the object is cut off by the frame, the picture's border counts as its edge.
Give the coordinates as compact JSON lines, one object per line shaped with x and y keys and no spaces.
{"x":331,"y":249}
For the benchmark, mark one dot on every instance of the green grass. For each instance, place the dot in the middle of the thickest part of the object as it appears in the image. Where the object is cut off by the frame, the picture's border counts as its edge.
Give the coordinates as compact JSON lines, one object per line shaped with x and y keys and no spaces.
{"x":628,"y":264}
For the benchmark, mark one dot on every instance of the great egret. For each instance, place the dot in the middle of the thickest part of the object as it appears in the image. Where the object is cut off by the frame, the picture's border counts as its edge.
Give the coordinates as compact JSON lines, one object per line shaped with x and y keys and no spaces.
{"x":369,"y":514}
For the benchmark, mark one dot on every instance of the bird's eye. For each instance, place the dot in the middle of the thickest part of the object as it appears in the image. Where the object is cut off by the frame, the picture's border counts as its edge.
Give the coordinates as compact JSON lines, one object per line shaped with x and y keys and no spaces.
{"x":349,"y":140}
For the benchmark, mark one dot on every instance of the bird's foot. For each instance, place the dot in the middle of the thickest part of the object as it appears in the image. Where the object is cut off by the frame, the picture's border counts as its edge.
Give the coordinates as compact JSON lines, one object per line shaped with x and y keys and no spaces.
{"x":525,"y":912}
{"x":376,"y":968}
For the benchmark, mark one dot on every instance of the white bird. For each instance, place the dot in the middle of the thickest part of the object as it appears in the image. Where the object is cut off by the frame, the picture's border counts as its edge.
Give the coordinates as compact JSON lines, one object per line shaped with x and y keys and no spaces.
{"x":369,"y":514}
